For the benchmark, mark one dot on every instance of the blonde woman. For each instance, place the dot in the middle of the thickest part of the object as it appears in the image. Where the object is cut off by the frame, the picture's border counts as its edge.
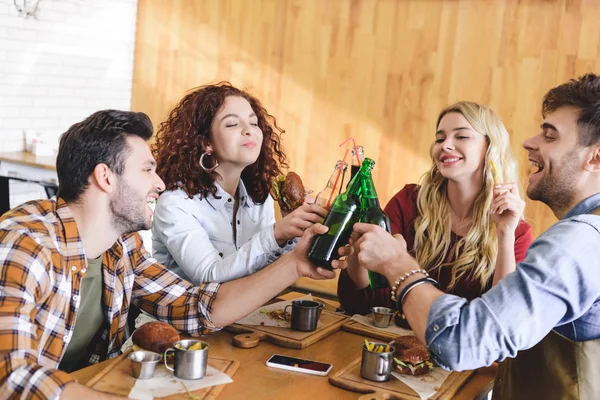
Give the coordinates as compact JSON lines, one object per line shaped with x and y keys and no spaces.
{"x":463,"y":224}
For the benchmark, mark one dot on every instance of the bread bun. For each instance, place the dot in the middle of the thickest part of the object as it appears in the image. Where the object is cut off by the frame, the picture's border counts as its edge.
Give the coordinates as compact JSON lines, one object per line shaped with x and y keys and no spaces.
{"x":155,"y":336}
{"x":406,"y":342}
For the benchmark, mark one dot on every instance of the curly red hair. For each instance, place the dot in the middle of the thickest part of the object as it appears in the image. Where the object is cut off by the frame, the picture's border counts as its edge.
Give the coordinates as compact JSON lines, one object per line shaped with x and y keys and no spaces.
{"x":182,"y":138}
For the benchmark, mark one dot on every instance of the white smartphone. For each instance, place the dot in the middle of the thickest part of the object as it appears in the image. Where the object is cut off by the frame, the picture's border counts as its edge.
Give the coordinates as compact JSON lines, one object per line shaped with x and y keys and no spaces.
{"x":299,"y":365}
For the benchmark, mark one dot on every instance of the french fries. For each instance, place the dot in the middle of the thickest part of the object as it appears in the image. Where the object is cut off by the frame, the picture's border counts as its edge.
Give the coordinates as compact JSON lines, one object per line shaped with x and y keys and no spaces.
{"x":195,"y":346}
{"x":376,"y":348}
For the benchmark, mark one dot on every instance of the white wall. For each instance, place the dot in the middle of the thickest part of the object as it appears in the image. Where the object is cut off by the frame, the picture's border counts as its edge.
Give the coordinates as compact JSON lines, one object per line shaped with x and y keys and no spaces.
{"x":74,"y":59}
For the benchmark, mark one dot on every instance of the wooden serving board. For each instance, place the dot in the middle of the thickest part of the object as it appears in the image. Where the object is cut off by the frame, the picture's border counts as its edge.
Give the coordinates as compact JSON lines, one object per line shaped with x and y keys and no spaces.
{"x":116,"y":378}
{"x":349,"y":378}
{"x":358,"y":328}
{"x":250,"y":335}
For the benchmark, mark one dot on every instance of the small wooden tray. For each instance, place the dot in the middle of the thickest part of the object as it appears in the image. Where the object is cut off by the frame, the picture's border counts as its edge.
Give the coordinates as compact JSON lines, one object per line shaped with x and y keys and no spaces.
{"x":116,"y":378}
{"x":358,"y":328}
{"x":250,"y":335}
{"x":349,"y":378}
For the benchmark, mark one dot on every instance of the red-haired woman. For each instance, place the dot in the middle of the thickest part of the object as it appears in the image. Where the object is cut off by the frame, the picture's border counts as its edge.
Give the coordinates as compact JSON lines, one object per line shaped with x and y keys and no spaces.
{"x":219,"y":153}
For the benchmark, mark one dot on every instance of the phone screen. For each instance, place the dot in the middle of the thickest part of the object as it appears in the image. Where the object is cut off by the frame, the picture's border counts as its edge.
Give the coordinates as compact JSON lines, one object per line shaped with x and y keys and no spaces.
{"x":299,"y":363}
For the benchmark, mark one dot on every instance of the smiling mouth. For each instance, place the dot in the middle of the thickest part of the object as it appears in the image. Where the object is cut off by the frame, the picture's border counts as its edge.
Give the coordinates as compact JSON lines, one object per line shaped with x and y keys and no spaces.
{"x":151,"y":201}
{"x":450,"y":160}
{"x":538,"y":167}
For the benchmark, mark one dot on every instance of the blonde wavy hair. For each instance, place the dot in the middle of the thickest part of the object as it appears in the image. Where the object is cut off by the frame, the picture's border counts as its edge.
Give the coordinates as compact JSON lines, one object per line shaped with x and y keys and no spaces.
{"x":475,"y":254}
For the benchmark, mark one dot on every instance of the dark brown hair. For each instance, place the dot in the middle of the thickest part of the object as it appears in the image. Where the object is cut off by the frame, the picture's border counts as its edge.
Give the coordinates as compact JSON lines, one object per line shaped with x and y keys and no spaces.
{"x":584,"y":94}
{"x":98,"y":139}
{"x":181,"y":139}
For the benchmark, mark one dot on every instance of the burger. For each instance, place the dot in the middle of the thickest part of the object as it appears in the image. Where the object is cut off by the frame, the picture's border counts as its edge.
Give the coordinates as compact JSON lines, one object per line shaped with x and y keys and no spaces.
{"x":154,"y":336}
{"x":289,"y":192}
{"x":410,"y":356}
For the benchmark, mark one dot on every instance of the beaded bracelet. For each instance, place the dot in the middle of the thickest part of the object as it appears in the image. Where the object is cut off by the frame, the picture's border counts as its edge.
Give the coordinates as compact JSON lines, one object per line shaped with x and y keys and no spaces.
{"x":410,"y":287}
{"x":398,"y":282}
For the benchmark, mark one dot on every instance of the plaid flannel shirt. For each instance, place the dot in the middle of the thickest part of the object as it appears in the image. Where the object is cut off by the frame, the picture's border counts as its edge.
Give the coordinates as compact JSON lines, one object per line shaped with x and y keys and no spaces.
{"x":42,"y":263}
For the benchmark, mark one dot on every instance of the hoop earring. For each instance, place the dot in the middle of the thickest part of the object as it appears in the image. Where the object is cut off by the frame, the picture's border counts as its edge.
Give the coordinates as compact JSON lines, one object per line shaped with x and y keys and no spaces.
{"x":207,"y":153}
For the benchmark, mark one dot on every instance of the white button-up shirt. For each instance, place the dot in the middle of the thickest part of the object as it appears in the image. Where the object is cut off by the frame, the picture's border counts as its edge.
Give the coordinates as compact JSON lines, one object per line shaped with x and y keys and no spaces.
{"x":193,"y":237}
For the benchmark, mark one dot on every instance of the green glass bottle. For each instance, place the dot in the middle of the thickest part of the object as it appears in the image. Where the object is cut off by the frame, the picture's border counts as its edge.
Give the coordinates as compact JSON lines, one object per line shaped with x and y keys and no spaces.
{"x":343,"y":214}
{"x":373,"y":214}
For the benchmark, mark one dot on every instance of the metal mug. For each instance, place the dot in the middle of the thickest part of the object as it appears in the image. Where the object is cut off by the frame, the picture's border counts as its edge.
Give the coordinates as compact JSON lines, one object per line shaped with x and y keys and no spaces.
{"x":305,"y":315}
{"x":382,"y":316}
{"x":143,"y":363}
{"x":188,"y":364}
{"x":377,"y":366}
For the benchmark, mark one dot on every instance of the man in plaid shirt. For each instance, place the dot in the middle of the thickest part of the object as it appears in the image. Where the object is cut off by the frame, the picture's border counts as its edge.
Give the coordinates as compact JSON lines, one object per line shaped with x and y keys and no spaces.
{"x":107,"y":178}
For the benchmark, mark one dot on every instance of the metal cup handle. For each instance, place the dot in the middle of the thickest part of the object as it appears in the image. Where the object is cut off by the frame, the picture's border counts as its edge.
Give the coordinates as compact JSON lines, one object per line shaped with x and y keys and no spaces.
{"x":285,"y":313}
{"x":165,"y":359}
{"x":383,"y":367}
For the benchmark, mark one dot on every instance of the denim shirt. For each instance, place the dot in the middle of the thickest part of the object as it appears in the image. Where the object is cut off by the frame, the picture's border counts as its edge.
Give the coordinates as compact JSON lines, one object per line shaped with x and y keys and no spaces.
{"x":193,"y":237}
{"x":556,"y":287}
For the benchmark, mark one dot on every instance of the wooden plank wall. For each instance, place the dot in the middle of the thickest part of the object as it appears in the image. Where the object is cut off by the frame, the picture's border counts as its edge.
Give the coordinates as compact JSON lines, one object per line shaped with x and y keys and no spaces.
{"x":379,"y":70}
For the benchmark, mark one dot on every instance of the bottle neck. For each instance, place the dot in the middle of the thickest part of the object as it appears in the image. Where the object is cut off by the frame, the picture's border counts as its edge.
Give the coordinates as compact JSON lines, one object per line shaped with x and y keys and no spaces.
{"x":337,"y":171}
{"x":368,"y":192}
{"x":357,"y":183}
{"x":361,"y":155}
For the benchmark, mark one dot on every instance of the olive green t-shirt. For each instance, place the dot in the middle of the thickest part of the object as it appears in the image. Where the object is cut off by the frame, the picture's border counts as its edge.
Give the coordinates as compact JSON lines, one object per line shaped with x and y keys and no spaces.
{"x":89,"y":318}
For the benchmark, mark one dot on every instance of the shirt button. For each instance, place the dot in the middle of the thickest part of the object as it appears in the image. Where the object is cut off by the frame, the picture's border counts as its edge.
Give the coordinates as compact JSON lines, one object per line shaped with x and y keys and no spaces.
{"x":238,"y":221}
{"x":229,"y":200}
{"x":73,"y":268}
{"x":436,"y":328}
{"x":75,"y":297}
{"x":220,"y":254}
{"x":290,"y":242}
{"x":83,"y":270}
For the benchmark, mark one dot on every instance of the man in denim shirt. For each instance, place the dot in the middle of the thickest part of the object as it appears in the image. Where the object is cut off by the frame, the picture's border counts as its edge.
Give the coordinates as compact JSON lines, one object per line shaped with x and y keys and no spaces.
{"x":544,"y":318}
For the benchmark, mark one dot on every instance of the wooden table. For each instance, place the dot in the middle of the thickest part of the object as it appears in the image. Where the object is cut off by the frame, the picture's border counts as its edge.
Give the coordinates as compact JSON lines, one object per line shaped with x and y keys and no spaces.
{"x":254,"y":380}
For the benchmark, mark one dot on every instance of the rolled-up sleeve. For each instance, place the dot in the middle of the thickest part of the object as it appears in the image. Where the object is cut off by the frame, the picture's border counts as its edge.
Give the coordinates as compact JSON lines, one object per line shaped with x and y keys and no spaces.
{"x":555,"y":284}
{"x":171,"y":299}
{"x":24,"y":282}
{"x":178,"y":227}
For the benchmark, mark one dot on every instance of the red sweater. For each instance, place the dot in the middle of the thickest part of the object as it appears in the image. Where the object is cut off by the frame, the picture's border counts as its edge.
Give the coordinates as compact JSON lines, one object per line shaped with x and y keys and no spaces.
{"x":402,"y":210}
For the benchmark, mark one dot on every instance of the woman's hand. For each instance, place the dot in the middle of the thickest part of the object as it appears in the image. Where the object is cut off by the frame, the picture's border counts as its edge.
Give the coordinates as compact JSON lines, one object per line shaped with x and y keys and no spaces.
{"x":295,"y":223}
{"x":507,"y":208}
{"x":304,"y":267}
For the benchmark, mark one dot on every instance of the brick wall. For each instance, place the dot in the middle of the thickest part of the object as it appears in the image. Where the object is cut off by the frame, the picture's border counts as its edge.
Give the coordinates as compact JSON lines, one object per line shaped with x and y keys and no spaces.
{"x":74,"y":59}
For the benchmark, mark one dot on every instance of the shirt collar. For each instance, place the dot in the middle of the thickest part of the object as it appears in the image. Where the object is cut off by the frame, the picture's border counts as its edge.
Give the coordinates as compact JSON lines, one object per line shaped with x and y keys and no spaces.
{"x":72,"y":238}
{"x":586,"y":206}
{"x":218,"y":203}
{"x":75,"y":250}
